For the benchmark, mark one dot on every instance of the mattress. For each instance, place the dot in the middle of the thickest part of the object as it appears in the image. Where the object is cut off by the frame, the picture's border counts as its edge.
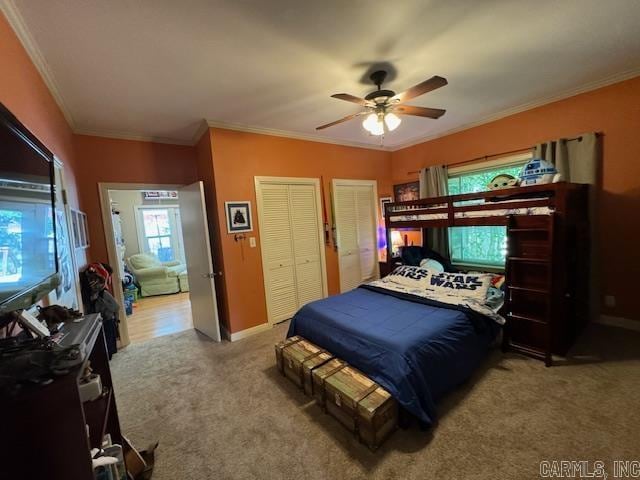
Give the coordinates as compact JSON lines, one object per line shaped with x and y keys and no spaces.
{"x":415,"y":348}
{"x":500,"y":212}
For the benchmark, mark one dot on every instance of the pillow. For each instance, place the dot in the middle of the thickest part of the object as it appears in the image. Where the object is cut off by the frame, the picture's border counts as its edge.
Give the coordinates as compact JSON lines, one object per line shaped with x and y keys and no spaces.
{"x":409,"y":276}
{"x":143,"y":260}
{"x":473,"y":286}
{"x":431,"y":264}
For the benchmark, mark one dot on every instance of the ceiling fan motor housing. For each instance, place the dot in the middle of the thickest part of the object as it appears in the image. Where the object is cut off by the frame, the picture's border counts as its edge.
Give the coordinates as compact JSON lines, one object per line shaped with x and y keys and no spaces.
{"x":379,"y":96}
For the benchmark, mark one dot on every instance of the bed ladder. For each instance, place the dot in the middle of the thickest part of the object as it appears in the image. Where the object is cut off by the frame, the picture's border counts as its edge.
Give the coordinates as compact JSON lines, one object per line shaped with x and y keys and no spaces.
{"x":524,"y":263}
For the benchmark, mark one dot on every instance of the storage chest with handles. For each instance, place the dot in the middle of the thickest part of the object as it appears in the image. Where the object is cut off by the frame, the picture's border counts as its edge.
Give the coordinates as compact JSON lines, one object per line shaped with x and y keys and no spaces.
{"x":308,"y":367}
{"x":320,"y":374}
{"x":280,"y":346}
{"x":361,"y":405}
{"x":294,"y":355}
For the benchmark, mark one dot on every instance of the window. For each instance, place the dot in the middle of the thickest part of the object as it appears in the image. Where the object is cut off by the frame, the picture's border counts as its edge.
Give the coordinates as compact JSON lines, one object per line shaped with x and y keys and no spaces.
{"x":160,"y":233}
{"x":483,"y":245}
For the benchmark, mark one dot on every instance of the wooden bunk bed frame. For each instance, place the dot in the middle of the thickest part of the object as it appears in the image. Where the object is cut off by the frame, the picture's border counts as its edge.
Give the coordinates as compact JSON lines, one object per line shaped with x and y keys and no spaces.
{"x":547,"y":262}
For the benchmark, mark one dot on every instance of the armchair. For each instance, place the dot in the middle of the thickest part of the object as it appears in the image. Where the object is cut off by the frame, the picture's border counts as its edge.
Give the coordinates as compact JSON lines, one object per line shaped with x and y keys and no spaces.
{"x":156,"y":277}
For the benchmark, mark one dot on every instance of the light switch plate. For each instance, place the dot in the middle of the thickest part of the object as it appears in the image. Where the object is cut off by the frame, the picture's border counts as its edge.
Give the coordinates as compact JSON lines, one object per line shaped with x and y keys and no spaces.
{"x":252,"y":242}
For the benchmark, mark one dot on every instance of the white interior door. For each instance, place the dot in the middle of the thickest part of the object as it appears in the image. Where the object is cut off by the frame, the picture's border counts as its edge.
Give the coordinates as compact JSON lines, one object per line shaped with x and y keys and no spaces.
{"x":307,"y":244}
{"x":346,"y":220}
{"x":277,"y":250}
{"x":355,"y":211}
{"x":202,"y":290}
{"x":289,"y":214}
{"x":367,"y":232}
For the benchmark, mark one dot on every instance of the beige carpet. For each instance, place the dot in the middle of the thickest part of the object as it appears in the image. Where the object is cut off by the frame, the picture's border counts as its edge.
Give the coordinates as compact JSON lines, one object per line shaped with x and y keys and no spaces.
{"x":222,"y":411}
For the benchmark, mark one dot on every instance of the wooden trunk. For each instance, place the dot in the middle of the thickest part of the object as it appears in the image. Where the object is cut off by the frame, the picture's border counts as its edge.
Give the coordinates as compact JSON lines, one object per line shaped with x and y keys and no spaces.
{"x":280,"y":346}
{"x":361,"y":405}
{"x":308,"y":367}
{"x":294,"y":355}
{"x":377,"y":417}
{"x":319,"y":376}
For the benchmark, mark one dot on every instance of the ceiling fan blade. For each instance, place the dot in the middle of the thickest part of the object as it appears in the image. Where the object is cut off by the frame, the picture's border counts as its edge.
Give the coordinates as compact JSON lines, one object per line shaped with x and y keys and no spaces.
{"x":419,"y":111}
{"x":348,"y":117}
{"x":420,"y":89}
{"x":351,"y":98}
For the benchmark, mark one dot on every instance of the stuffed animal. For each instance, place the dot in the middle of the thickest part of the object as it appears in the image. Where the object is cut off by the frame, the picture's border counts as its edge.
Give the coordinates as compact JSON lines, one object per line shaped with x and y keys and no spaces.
{"x":538,"y":171}
{"x":504,"y":180}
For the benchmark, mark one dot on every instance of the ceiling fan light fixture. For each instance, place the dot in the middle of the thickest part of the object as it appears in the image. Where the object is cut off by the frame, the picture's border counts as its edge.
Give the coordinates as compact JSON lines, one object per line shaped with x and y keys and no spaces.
{"x":392,"y":121}
{"x":373,"y":124}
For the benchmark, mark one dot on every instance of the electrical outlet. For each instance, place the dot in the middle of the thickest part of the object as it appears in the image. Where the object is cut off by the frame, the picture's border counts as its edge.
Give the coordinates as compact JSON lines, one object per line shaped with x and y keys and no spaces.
{"x":610,"y":301}
{"x":252,"y":242}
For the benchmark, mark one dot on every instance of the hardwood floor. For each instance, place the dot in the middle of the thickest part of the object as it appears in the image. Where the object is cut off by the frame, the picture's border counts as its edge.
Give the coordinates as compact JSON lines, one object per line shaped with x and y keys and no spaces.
{"x":157,"y":316}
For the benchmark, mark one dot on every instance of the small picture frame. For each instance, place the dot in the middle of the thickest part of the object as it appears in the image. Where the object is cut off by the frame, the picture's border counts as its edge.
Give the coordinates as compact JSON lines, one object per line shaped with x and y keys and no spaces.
{"x":80,"y":229}
{"x":383,"y":202}
{"x":405,"y":192}
{"x":238,"y":216}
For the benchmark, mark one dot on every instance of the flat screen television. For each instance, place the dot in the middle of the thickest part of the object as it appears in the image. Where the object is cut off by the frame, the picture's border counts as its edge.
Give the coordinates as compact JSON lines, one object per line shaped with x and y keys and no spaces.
{"x":28,"y":257}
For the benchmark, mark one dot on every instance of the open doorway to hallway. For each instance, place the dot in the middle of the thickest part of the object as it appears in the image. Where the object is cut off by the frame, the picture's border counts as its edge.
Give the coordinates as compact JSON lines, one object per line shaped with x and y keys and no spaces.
{"x":151,"y":261}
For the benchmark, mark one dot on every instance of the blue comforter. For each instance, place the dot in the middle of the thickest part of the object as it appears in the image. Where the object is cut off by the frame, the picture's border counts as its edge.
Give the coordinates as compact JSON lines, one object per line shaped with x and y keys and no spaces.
{"x":417,"y":351}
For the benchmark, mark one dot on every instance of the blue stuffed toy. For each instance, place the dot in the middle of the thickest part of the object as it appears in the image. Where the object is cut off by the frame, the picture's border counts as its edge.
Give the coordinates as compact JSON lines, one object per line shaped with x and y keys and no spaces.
{"x":537,"y":172}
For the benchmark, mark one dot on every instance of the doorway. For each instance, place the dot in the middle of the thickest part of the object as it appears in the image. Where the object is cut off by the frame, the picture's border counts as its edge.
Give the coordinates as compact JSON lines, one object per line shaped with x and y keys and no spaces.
{"x":158,"y":246}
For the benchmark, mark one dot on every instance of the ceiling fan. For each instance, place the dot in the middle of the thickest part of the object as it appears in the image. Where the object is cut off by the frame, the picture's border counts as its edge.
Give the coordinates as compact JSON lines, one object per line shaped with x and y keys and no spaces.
{"x":383,"y":106}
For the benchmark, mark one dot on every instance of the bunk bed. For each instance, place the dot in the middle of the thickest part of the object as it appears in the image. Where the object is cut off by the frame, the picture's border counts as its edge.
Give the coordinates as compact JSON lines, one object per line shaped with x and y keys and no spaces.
{"x":419,"y":346}
{"x":547,"y":269}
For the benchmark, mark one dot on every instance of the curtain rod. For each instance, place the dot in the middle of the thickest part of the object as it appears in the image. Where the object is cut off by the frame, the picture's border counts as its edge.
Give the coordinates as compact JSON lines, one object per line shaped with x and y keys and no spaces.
{"x":487,"y":157}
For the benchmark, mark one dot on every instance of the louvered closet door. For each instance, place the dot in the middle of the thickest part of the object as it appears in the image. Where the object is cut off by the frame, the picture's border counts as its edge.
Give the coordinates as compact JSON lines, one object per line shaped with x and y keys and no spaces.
{"x":366,"y":224}
{"x":347,"y":235}
{"x":277,"y":246}
{"x":306,"y":243}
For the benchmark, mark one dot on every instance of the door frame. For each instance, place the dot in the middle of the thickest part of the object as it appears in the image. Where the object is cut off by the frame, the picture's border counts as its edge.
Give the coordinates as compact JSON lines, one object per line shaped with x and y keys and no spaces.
{"x":110,"y":240}
{"x":315,"y":182}
{"x":354,"y":183}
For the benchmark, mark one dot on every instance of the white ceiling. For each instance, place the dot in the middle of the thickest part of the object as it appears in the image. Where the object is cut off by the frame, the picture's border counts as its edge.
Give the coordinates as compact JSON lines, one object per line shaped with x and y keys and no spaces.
{"x":156,"y":68}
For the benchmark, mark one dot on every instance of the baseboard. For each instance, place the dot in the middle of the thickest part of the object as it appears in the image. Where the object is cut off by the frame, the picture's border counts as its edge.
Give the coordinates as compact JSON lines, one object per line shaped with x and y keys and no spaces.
{"x":619,"y":322}
{"x":249,"y":331}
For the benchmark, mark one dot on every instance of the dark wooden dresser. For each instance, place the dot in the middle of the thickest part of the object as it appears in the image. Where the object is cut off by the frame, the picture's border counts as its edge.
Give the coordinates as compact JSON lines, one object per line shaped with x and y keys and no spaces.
{"x":47,"y":431}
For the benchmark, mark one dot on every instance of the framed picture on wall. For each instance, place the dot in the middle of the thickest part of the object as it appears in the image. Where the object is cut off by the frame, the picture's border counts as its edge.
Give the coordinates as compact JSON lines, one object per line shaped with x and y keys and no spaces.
{"x":383,"y":202}
{"x":79,"y":229}
{"x":238,"y":216}
{"x":404,"y":192}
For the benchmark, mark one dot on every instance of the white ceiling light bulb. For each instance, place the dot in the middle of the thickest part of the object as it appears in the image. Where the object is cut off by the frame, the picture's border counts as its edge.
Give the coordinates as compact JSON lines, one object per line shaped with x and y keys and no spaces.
{"x":392,"y":121}
{"x":378,"y":127}
{"x":369,"y":123}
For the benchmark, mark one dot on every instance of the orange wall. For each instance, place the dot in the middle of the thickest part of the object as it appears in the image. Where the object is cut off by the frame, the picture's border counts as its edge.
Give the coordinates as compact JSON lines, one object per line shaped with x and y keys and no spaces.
{"x":613,"y":110}
{"x":237,"y":158}
{"x":25,"y":94}
{"x":23,"y":91}
{"x":125,"y":161}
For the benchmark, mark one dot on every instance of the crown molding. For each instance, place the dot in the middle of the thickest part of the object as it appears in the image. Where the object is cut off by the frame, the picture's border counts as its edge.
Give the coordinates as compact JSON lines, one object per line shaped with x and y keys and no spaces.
{"x":289,"y":134}
{"x":18,"y":24}
{"x":584,"y":88}
{"x":13,"y":16}
{"x":130,"y":136}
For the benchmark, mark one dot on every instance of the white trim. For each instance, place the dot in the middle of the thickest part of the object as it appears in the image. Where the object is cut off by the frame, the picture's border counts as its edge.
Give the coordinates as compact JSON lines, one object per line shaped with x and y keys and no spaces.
{"x":503,"y":161}
{"x":309,"y":137}
{"x":19,"y":26}
{"x":619,"y":322}
{"x":258,"y":181}
{"x":234,"y":337}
